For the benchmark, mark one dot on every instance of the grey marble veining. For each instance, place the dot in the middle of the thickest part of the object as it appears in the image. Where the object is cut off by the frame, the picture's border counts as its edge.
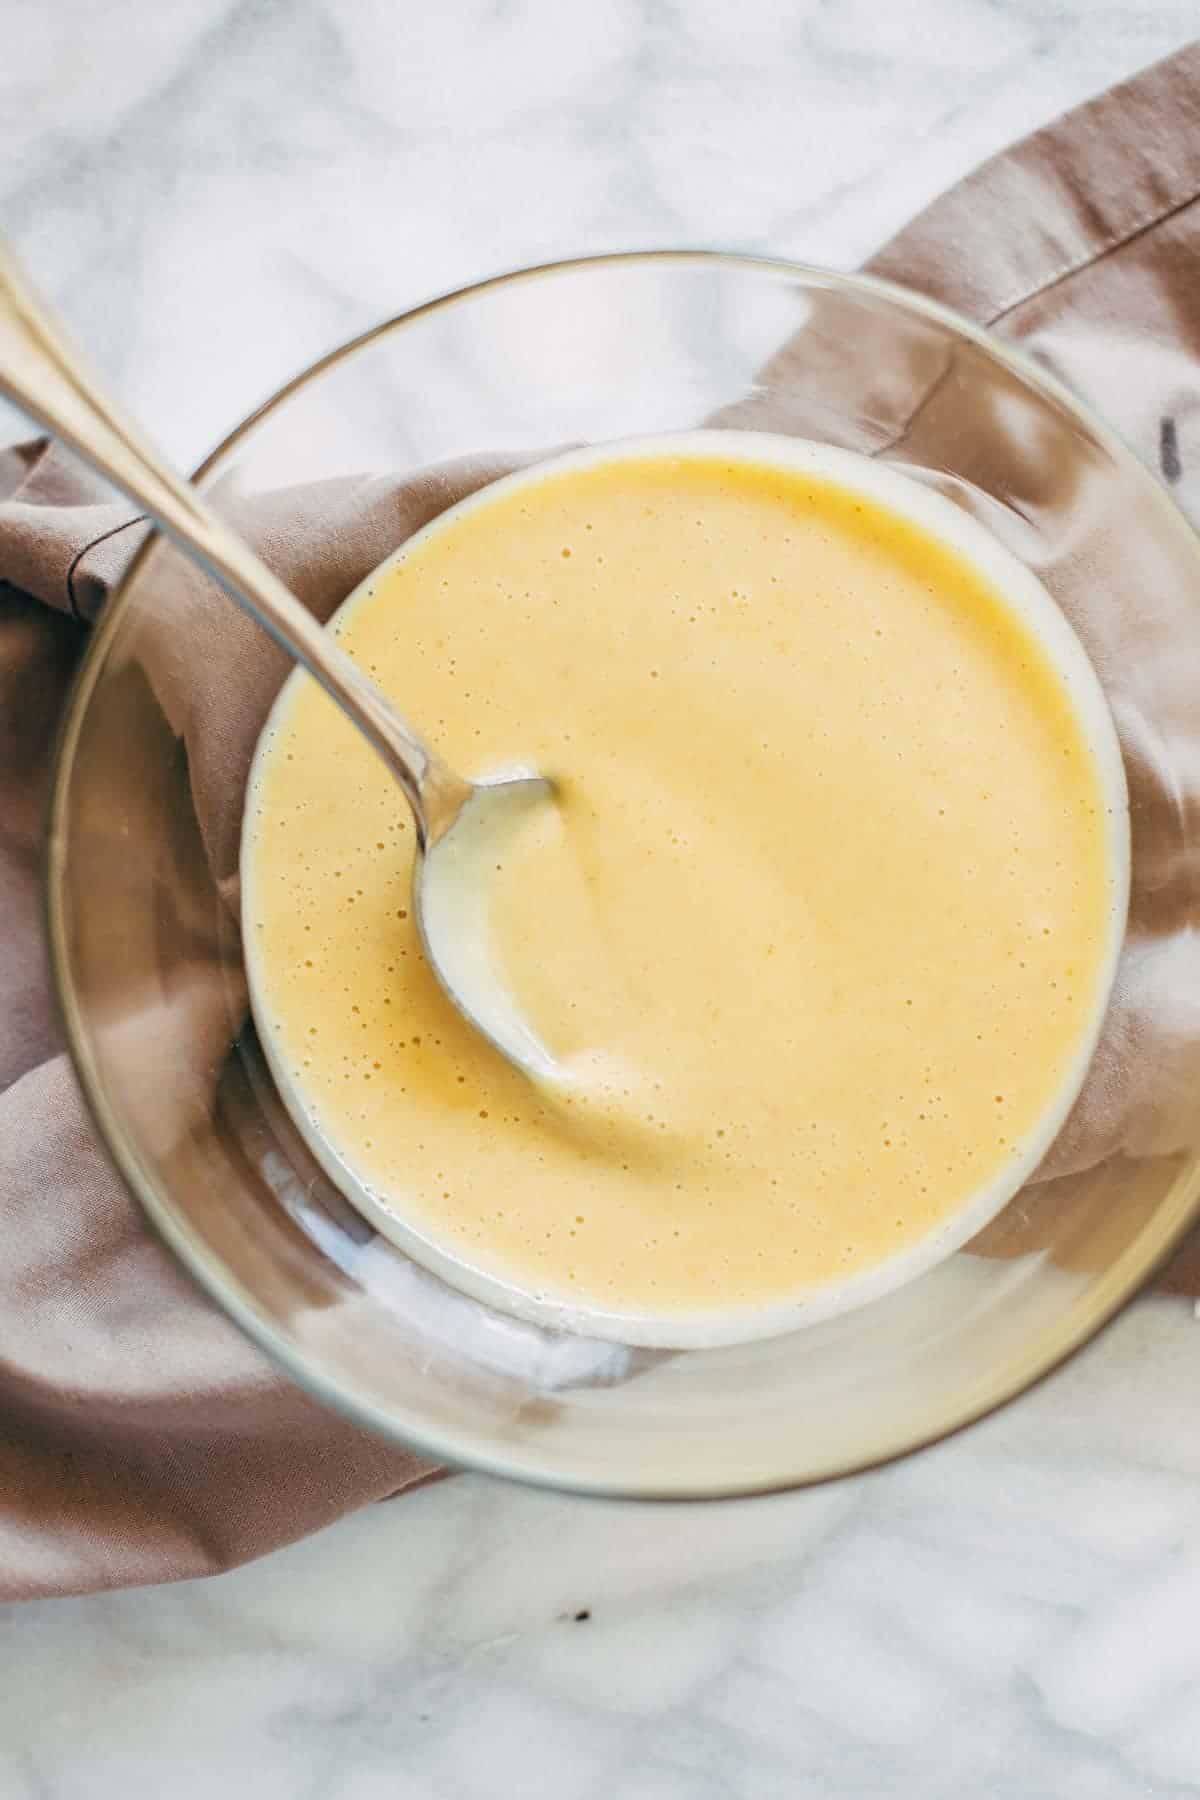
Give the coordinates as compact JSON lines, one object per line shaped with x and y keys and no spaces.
{"x":1012,"y":1615}
{"x":215,"y":191}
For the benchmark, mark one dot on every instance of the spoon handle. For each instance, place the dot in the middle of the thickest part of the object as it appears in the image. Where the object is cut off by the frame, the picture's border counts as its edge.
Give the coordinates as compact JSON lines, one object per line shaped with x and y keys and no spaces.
{"x":42,"y":374}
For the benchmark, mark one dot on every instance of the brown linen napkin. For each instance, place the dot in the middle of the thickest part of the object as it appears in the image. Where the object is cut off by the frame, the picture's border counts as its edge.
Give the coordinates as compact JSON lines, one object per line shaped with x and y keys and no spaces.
{"x":141,"y":1438}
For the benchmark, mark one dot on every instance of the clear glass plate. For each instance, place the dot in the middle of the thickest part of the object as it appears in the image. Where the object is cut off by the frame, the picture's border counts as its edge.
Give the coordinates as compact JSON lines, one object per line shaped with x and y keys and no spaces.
{"x":146,"y":952}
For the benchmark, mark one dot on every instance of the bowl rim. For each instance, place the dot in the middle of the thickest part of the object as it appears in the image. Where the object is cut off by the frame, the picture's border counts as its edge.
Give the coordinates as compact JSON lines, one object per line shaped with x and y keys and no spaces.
{"x":1046,"y":1352}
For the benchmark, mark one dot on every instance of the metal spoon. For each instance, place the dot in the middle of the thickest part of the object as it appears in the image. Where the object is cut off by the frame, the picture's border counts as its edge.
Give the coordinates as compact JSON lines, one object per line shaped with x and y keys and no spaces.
{"x":462,"y":826}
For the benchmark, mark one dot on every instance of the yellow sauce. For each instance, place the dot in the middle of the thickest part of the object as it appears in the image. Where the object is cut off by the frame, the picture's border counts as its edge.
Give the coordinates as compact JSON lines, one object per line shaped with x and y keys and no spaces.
{"x":836,"y":883}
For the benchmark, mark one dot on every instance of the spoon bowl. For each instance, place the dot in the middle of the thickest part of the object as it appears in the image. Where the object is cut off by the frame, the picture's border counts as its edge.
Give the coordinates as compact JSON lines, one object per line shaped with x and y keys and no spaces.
{"x":450,"y":900}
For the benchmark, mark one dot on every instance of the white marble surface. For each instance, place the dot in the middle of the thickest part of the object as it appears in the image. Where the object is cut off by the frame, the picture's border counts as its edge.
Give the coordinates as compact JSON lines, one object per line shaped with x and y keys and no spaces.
{"x":214,"y":191}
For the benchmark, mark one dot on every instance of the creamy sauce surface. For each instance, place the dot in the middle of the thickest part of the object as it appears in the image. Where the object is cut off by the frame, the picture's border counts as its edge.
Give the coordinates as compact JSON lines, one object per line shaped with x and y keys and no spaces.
{"x":827,"y":913}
